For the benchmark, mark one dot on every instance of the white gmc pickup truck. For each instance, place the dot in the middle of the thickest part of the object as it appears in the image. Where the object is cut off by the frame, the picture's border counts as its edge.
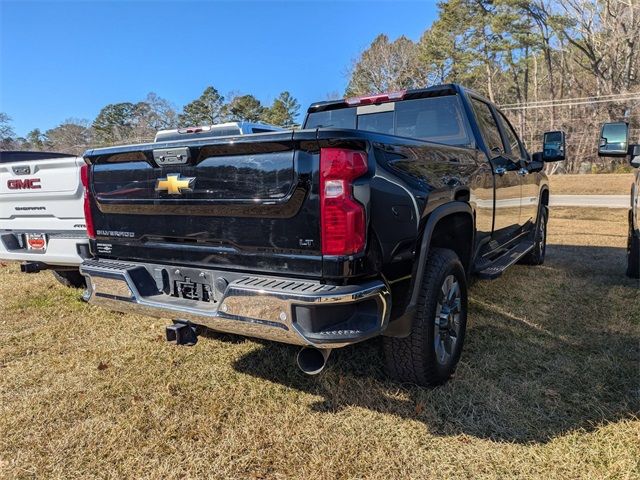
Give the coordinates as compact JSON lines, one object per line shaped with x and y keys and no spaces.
{"x":42,"y":220}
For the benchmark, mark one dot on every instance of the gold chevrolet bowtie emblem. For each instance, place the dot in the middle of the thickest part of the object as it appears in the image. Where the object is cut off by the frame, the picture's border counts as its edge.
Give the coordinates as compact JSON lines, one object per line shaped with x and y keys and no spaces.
{"x":174,"y":185}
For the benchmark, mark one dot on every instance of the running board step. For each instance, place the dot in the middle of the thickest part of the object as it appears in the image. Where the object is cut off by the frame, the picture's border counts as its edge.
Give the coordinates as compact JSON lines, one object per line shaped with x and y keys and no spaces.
{"x":510,"y":257}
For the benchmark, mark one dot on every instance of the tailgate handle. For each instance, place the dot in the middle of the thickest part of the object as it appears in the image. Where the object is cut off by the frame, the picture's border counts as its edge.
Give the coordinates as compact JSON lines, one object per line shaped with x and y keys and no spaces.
{"x":171,"y":156}
{"x":25,"y":170}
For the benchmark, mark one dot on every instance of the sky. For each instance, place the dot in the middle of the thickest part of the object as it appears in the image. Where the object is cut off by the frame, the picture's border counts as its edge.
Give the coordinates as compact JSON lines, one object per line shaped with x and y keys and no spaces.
{"x":62,"y":60}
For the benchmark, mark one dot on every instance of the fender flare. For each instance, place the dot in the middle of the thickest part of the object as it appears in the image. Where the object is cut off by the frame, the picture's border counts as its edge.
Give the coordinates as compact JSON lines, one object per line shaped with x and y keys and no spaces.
{"x":544,"y":188}
{"x":401,"y":327}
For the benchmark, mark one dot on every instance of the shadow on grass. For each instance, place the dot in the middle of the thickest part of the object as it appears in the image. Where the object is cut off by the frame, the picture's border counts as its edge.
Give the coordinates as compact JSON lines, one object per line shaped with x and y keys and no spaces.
{"x":557,"y":353}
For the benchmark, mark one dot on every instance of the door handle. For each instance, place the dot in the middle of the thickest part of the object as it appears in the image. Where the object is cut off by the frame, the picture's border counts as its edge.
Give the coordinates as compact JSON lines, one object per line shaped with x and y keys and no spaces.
{"x":500,"y":171}
{"x":522,"y":172}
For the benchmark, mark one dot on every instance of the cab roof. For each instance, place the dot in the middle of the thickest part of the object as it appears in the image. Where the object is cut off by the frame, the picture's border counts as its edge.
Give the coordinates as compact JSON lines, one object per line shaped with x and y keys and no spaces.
{"x":433,"y":91}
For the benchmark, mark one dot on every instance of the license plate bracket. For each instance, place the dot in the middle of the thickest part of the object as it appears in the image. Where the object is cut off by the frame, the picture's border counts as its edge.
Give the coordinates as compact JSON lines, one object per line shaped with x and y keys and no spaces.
{"x":191,"y":284}
{"x":36,"y":241}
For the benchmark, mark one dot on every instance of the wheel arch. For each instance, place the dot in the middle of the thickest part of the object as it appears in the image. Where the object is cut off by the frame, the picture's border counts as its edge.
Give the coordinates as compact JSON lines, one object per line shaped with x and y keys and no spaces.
{"x":544,"y":200}
{"x":451,"y":226}
{"x":544,"y":195}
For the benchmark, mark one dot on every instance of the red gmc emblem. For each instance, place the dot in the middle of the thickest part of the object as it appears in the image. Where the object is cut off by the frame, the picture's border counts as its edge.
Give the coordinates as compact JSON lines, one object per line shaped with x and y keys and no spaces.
{"x":26,"y":184}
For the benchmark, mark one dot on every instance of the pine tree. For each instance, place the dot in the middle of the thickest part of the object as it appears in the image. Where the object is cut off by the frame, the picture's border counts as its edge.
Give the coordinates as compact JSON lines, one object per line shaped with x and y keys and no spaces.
{"x":283,"y":112}
{"x":208,"y":109}
{"x":245,"y":108}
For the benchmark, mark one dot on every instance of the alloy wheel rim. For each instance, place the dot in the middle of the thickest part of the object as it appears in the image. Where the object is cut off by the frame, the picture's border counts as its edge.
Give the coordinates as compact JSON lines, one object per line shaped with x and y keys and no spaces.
{"x":447,"y":320}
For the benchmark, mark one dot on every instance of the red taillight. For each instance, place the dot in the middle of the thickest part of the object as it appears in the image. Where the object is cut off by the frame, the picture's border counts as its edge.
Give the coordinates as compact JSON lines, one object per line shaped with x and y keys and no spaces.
{"x":342,"y":218}
{"x":88,"y":217}
{"x":377,"y":98}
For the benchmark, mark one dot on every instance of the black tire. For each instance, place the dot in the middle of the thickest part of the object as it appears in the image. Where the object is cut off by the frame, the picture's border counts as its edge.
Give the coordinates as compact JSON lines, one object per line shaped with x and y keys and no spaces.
{"x":70,"y":278}
{"x":537,"y":254}
{"x":633,"y":253}
{"x":416,"y":358}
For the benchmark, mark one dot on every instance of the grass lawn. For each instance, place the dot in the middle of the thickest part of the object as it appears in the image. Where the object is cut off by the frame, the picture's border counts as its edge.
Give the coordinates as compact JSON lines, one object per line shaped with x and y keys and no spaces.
{"x":602,"y":184}
{"x":548,"y":386}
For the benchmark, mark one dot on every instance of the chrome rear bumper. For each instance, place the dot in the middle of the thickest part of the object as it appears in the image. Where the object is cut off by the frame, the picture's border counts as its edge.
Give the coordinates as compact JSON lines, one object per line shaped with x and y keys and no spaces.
{"x":286,"y":310}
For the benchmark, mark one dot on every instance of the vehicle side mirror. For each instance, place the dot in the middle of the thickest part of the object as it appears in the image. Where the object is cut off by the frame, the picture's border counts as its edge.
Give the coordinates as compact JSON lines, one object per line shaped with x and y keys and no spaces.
{"x":614,"y":140}
{"x":536,"y":164}
{"x":635,"y":156}
{"x":553,"y":146}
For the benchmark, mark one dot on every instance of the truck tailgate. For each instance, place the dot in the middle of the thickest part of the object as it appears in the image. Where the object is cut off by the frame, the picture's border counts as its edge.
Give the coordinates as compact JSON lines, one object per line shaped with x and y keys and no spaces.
{"x":245,"y":201}
{"x":41,"y":195}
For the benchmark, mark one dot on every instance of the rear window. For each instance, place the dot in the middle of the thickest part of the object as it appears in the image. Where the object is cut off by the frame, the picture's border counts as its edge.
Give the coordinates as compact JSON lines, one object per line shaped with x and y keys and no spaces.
{"x":436,"y":119}
{"x":341,"y":118}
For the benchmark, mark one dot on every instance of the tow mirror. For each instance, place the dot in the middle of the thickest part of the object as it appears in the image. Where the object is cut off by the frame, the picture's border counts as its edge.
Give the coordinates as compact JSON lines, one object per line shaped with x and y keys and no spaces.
{"x":635,"y":156}
{"x":553,"y":146}
{"x":614,"y":140}
{"x":536,"y":164}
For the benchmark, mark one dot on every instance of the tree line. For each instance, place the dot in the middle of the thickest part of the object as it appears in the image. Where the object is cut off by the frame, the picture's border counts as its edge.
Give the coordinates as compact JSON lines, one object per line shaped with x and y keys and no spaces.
{"x":563,"y":65}
{"x":551,"y":64}
{"x":128,"y":122}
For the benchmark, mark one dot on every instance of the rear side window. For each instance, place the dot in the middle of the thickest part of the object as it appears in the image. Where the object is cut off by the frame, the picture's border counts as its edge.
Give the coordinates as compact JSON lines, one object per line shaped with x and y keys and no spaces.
{"x":435,"y":119}
{"x":488,"y":125}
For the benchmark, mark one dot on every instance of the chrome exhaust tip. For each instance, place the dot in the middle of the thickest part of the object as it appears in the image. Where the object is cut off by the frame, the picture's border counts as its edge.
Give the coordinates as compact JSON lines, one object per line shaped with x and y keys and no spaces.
{"x":312,"y":360}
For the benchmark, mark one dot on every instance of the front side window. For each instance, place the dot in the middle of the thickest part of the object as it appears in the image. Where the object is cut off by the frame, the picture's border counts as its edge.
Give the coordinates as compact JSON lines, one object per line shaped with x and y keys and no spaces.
{"x":512,"y":138}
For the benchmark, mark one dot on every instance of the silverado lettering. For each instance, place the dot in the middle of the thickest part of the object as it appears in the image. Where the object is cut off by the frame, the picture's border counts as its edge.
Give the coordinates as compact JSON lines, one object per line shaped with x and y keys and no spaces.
{"x":368,"y":221}
{"x":111,"y":233}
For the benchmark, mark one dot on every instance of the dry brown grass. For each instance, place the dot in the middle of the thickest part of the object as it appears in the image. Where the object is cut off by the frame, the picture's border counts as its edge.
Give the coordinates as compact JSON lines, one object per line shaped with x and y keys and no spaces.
{"x":548,"y":386}
{"x":603,"y":184}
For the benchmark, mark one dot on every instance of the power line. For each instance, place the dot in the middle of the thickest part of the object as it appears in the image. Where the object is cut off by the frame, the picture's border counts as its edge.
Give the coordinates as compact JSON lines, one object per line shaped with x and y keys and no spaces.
{"x":589,"y":102}
{"x":592,"y":97}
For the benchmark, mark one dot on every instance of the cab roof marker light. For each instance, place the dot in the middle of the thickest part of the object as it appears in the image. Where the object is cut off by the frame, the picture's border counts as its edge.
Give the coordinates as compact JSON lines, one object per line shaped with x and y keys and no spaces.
{"x":194,"y":129}
{"x":377,"y":98}
{"x":397,"y":95}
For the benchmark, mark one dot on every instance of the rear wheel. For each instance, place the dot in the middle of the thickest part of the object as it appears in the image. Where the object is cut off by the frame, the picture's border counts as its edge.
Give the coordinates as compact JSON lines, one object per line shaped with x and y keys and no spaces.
{"x":633,"y":253}
{"x":537,"y":254}
{"x":430,"y":354}
{"x":69,"y":278}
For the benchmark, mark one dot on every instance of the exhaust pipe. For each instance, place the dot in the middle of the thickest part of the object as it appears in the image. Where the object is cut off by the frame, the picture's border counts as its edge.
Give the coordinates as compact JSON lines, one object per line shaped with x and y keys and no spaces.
{"x":312,"y":360}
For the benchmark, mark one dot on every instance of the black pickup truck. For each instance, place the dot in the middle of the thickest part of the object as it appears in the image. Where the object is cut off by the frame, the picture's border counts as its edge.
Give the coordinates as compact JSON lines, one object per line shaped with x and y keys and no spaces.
{"x":614,"y":142}
{"x":368,"y":221}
